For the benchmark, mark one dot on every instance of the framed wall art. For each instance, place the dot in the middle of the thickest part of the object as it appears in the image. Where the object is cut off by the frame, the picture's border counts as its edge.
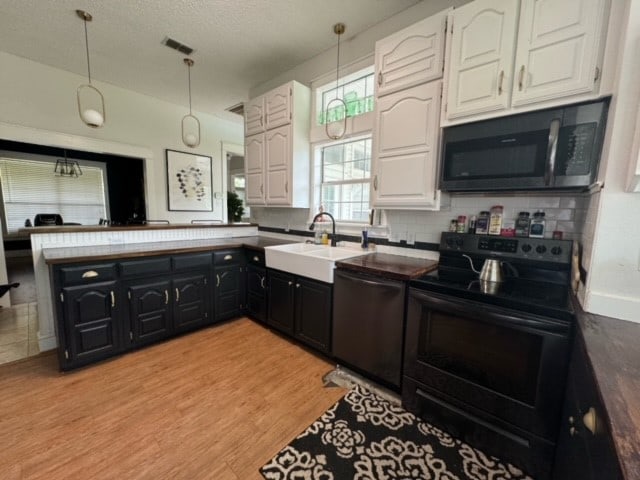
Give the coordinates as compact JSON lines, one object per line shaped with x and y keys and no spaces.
{"x":189,"y":182}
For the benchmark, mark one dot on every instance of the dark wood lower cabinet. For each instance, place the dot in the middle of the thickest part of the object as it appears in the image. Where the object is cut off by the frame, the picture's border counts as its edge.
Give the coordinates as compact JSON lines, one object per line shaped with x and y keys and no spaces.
{"x":191,"y":303}
{"x":90,"y":322}
{"x":229,"y":291}
{"x":257,"y":292}
{"x":300,"y":307}
{"x":149,"y":311}
{"x":585,"y":448}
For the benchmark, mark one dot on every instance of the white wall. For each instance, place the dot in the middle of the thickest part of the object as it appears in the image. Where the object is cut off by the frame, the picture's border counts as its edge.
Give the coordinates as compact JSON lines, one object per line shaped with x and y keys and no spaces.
{"x":613,"y":285}
{"x":42,"y":97}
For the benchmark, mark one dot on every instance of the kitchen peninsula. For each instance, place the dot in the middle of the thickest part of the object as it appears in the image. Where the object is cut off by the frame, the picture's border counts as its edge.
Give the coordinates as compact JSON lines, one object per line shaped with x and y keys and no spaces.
{"x":117,"y":238}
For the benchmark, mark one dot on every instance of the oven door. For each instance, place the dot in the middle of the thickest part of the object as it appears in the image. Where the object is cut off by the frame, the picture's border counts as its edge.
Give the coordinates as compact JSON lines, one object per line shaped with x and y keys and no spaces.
{"x":509,"y":365}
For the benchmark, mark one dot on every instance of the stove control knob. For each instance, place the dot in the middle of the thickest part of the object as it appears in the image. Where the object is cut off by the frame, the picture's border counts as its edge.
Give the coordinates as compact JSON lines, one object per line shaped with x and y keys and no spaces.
{"x":541,"y":249}
{"x":556,"y":250}
{"x":459,"y":242}
{"x":526,"y":248}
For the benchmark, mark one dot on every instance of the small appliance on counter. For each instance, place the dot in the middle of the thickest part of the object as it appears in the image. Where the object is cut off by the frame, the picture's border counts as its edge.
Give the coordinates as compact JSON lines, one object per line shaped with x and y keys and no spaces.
{"x":47,"y":220}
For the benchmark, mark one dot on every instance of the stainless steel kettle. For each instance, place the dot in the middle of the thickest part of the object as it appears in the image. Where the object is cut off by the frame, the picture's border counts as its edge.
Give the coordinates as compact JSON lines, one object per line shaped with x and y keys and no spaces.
{"x":491,"y":270}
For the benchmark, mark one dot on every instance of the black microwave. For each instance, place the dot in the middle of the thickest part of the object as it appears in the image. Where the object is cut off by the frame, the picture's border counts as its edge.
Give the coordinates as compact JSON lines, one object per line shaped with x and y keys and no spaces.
{"x":557,"y":148}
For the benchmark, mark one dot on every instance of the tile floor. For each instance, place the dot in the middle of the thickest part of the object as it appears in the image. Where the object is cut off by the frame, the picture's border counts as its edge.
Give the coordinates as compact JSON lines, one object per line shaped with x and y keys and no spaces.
{"x":18,"y":332}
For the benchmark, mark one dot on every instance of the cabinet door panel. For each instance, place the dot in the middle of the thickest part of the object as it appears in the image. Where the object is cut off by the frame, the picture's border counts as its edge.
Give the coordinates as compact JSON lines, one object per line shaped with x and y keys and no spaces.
{"x":278,"y":187}
{"x":228,"y":292}
{"x":557,"y":49}
{"x":191,"y":301}
{"x":256,"y":292}
{"x":411,"y":56}
{"x":149,"y":310}
{"x":406,"y":145}
{"x":278,"y":106}
{"x":254,"y":116}
{"x":278,"y":150}
{"x":254,"y":169}
{"x":313,"y":313}
{"x":281,"y":301}
{"x":90,"y":320}
{"x":482,"y":44}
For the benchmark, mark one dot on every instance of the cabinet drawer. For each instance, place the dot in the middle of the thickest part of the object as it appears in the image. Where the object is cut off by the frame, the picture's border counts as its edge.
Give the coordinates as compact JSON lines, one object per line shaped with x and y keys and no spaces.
{"x":196,"y":260}
{"x":145,"y":267}
{"x":87,"y":274}
{"x":255,"y":258}
{"x":227,"y":257}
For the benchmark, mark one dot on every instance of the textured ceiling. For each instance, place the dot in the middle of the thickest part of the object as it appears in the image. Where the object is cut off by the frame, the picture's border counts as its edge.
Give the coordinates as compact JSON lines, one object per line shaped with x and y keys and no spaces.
{"x":238,"y":43}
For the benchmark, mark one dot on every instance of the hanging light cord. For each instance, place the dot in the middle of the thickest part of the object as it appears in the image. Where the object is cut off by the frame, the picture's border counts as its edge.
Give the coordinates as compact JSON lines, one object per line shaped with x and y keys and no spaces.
{"x":86,"y":43}
{"x":338,"y":65}
{"x":189,"y":70}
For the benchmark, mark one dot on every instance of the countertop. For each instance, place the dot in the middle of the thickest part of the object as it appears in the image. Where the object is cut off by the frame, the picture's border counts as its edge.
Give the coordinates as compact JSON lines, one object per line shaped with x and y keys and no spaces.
{"x":112,"y":228}
{"x":396,"y":267}
{"x":129,"y":250}
{"x":613,"y":349}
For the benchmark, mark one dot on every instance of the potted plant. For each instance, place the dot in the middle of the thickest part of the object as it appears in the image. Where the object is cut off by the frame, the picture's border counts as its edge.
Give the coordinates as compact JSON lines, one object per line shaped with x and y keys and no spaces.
{"x":234,"y":207}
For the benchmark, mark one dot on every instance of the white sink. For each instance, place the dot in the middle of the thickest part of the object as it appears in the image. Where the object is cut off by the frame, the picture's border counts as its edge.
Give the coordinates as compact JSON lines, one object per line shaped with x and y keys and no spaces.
{"x":308,"y":260}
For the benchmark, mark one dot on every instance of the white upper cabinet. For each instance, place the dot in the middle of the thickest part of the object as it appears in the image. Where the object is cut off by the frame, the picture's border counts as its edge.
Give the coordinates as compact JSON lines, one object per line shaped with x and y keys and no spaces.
{"x":411,"y":56}
{"x":510,"y":55}
{"x":481,"y":61}
{"x":277,"y":157}
{"x":278,"y":106}
{"x":254,"y":116}
{"x":558,"y":49}
{"x":406,"y":147}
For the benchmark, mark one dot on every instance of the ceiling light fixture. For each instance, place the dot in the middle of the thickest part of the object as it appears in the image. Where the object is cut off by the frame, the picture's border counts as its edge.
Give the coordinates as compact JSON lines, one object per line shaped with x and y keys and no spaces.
{"x":190,"y":123}
{"x":336,"y":113}
{"x":66,"y":167}
{"x":90,"y":100}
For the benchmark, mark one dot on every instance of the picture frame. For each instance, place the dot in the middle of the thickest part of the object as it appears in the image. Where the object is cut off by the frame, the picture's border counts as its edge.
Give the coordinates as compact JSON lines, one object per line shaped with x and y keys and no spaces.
{"x":189,"y":182}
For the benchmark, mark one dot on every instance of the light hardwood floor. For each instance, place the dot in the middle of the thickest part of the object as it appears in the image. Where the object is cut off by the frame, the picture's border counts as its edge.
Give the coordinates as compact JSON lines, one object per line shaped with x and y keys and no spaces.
{"x":214,"y":404}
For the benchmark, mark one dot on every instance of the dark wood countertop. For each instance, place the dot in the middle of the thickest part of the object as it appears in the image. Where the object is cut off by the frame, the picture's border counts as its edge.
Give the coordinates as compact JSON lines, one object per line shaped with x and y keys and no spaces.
{"x":396,"y":267}
{"x":132,"y":250}
{"x":112,"y":228}
{"x":613,"y":347}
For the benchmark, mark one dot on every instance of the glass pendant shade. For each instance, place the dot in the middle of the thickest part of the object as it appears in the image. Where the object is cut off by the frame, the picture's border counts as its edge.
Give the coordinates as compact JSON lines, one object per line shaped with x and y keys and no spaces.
{"x":90,"y":99}
{"x":190,"y":123}
{"x":67,"y":168}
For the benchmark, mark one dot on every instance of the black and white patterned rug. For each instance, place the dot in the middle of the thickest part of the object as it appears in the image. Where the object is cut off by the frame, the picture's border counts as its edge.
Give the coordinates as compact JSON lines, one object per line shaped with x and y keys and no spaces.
{"x":365,"y":437}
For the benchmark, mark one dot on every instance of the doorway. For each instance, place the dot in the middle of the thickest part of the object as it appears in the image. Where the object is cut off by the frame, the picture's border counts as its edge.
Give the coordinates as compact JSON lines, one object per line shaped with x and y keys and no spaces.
{"x":236,"y":180}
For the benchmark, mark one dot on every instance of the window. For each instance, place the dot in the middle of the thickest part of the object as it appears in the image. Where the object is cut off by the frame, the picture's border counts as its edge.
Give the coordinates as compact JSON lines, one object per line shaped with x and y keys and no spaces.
{"x":357,"y":91}
{"x":30,"y":187}
{"x":345,"y":176}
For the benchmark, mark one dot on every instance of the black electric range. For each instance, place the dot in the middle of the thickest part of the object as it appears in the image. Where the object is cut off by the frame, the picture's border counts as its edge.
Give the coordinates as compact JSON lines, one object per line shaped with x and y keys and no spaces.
{"x":536,"y":280}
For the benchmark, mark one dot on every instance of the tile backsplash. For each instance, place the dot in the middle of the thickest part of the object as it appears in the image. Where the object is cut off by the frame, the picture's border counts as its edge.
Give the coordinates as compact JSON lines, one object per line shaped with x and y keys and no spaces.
{"x":566,"y":213}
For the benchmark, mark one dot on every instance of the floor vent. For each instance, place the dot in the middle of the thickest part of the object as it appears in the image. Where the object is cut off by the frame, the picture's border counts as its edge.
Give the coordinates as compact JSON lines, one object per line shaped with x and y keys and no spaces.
{"x":176,"y":45}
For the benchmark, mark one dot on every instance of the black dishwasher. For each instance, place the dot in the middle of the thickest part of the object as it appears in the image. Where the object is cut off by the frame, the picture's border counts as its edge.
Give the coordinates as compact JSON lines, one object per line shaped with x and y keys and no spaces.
{"x":368,"y":323}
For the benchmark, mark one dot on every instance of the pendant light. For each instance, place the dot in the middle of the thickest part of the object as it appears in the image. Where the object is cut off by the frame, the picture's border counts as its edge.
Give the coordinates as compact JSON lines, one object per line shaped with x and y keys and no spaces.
{"x":90,"y":100}
{"x":190,"y":123}
{"x":336,"y":129}
{"x":66,"y":167}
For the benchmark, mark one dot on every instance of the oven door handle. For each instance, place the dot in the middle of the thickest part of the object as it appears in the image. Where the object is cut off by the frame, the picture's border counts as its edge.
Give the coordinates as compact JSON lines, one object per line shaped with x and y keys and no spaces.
{"x":490,"y":313}
{"x":552,"y":147}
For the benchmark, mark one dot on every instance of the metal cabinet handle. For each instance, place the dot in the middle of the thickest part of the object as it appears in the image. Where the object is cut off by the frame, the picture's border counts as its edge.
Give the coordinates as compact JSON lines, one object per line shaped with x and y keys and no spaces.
{"x":379,"y":79}
{"x":113,"y":299}
{"x":286,"y":187}
{"x":500,"y":81}
{"x":228,"y":257}
{"x":261,"y":189}
{"x":375,"y":182}
{"x":261,"y":121}
{"x":177,"y":295}
{"x":590,"y":420}
{"x":290,"y":283}
{"x":521,"y":78}
{"x":90,"y":274}
{"x":262,"y":283}
{"x":297,"y":285}
{"x":552,"y":147}
{"x":256,"y":258}
{"x":217,"y":280}
{"x":166,"y":297}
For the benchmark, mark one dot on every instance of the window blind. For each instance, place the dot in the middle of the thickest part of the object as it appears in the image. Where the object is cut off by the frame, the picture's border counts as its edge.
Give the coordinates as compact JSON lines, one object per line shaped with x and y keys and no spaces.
{"x":30,"y":187}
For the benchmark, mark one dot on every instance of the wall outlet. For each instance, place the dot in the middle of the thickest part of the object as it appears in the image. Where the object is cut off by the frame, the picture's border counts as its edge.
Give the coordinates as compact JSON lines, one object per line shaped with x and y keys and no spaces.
{"x":394,"y":237}
{"x":411,"y":238}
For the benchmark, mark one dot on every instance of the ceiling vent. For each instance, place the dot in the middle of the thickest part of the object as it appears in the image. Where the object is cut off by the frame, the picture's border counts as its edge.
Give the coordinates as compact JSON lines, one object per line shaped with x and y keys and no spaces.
{"x":176,"y":45}
{"x":238,"y":109}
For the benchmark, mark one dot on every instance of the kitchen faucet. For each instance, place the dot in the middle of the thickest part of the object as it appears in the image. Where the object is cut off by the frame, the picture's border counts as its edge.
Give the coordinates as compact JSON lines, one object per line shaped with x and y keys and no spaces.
{"x":333,"y":221}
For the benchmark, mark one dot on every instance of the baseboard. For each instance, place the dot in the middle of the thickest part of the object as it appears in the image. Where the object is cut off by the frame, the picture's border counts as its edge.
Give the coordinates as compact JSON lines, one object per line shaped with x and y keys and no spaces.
{"x":624,"y":308}
{"x":47,"y":343}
